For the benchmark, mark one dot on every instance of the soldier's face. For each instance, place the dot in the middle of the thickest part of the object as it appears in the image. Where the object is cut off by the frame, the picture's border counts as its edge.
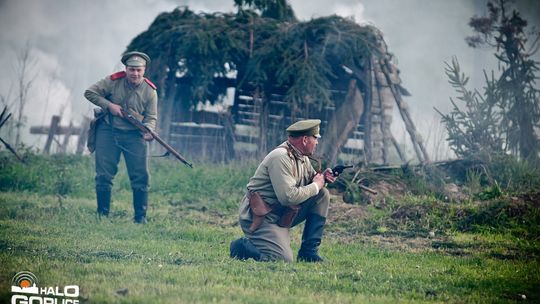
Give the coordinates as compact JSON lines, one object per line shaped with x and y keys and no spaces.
{"x":135,"y":74}
{"x":310,"y":143}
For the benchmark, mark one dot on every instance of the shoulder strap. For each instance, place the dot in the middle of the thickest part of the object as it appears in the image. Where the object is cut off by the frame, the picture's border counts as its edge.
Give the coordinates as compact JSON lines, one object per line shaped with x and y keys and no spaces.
{"x":291,"y":156}
{"x":118,"y":75}
{"x":150,"y":83}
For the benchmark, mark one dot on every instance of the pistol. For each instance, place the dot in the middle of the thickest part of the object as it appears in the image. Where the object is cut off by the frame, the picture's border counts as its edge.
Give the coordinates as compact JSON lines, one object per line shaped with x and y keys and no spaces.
{"x":337,"y":170}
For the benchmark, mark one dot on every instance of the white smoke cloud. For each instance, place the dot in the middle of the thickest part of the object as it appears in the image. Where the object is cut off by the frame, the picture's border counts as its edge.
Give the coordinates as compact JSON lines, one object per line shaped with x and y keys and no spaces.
{"x":423,"y":35}
{"x":306,"y":10}
{"x":74,"y":43}
{"x":78,"y":42}
{"x":49,"y":95}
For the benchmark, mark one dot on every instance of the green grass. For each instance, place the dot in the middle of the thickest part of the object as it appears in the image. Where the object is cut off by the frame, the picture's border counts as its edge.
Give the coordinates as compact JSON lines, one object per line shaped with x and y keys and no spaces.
{"x":48,"y":226}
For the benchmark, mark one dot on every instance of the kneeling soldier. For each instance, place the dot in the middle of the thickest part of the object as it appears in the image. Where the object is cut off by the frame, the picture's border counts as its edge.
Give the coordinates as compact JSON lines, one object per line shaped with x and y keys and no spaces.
{"x":285,"y":191}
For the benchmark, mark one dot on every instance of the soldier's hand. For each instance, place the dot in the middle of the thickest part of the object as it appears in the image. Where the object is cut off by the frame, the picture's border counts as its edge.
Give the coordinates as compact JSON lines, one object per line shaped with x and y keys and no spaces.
{"x":148,"y":136}
{"x":319,"y":180}
{"x":329,"y":176}
{"x":115,"y":109}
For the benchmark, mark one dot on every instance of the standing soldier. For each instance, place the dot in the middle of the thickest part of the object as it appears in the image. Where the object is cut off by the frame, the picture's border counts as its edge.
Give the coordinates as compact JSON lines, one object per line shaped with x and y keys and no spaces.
{"x":285,"y":191}
{"x":131,"y":91}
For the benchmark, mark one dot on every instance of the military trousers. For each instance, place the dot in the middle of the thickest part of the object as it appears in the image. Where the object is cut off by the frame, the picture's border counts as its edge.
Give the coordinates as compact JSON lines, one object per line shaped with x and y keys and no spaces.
{"x":111,"y":143}
{"x":274,"y":241}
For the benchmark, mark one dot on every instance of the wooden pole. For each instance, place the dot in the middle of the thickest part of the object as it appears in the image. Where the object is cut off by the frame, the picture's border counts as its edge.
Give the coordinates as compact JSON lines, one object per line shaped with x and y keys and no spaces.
{"x":60,"y":130}
{"x":63,"y":146}
{"x":411,"y":129}
{"x":10,"y":148}
{"x":398,"y":149}
{"x":52,"y":131}
{"x":260,"y":100}
{"x":342,"y":123}
{"x":382,"y":84}
{"x":367,"y":112}
{"x":377,"y":122}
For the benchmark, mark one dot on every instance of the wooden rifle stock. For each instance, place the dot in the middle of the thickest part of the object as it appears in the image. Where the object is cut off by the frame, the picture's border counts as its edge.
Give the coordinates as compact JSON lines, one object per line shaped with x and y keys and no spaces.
{"x":145,"y":129}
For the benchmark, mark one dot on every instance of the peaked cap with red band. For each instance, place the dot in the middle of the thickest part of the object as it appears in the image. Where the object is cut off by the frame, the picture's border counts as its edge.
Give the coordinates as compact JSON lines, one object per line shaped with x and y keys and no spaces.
{"x":135,"y":59}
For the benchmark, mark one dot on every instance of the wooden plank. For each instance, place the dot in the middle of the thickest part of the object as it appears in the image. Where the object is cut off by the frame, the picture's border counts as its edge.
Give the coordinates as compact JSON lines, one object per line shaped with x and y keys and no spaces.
{"x":197,"y":131}
{"x":52,"y":132}
{"x":60,"y":130}
{"x":65,"y":143}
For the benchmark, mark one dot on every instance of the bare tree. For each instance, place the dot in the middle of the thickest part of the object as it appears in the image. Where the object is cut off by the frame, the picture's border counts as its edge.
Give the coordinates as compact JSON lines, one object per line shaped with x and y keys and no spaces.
{"x":6,"y":103}
{"x":25,"y":78}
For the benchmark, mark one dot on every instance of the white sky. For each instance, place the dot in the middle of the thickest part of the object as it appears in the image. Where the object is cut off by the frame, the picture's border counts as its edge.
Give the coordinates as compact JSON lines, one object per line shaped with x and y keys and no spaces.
{"x":77,"y":42}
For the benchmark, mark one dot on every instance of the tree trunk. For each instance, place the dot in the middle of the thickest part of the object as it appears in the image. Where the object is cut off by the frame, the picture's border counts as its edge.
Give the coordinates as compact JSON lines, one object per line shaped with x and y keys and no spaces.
{"x":342,"y":123}
{"x":167,"y":106}
{"x":260,"y":100}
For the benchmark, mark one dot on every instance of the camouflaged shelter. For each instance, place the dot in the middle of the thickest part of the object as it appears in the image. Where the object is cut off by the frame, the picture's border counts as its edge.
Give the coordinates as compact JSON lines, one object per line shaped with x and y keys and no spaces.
{"x":229,"y":85}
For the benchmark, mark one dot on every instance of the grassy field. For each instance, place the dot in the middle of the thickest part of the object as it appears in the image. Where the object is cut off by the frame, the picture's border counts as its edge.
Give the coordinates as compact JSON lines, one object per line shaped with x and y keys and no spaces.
{"x":407,"y":249}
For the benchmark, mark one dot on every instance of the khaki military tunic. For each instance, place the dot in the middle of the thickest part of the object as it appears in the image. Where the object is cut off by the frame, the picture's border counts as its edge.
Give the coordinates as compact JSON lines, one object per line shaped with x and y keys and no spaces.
{"x":141,"y":99}
{"x":283,"y":178}
{"x":116,"y":136}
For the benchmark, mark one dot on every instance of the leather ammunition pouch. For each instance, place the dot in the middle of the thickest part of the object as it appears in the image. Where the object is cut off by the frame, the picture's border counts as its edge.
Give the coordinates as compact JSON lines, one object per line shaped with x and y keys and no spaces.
{"x":99,"y":115}
{"x":288,"y":216}
{"x":259,"y":209}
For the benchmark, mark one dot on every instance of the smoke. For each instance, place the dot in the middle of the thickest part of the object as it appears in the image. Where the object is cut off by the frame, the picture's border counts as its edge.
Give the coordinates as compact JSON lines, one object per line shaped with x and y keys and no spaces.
{"x":75,"y":43}
{"x":306,"y":10}
{"x":422,"y":36}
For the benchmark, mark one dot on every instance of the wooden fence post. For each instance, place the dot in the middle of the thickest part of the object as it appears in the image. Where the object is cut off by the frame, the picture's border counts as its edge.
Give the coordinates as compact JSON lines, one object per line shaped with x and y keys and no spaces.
{"x":52,"y":131}
{"x":55,"y":129}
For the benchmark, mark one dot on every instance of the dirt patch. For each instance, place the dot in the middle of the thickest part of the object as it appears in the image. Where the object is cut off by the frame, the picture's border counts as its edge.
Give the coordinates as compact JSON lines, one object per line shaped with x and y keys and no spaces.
{"x":371,"y":191}
{"x":389,"y":189}
{"x":454,"y":193}
{"x":417,"y":244}
{"x":340,"y":211}
{"x":380,"y":191}
{"x":530,"y":198}
{"x":412,"y":212}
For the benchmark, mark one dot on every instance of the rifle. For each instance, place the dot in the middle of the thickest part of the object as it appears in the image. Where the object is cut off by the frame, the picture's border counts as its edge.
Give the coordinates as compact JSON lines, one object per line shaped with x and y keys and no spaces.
{"x":134,"y":121}
{"x":337,"y":170}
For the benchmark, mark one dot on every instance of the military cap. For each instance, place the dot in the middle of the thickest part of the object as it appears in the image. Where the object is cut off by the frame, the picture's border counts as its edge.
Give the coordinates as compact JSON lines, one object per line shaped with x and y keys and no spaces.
{"x":309,"y":127}
{"x":135,"y":59}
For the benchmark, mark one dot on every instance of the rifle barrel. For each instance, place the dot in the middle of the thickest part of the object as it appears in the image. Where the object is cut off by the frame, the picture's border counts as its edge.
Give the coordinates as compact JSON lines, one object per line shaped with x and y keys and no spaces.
{"x":170,"y":149}
{"x":145,"y":129}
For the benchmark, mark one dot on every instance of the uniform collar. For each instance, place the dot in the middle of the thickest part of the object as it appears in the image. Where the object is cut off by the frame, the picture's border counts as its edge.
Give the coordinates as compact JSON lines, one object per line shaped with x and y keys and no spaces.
{"x":297,"y":154}
{"x":132,"y":86}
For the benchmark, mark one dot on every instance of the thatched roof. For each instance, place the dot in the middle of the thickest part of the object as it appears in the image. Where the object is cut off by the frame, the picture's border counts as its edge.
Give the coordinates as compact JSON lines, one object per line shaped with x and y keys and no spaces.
{"x":263,"y":52}
{"x":304,"y":57}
